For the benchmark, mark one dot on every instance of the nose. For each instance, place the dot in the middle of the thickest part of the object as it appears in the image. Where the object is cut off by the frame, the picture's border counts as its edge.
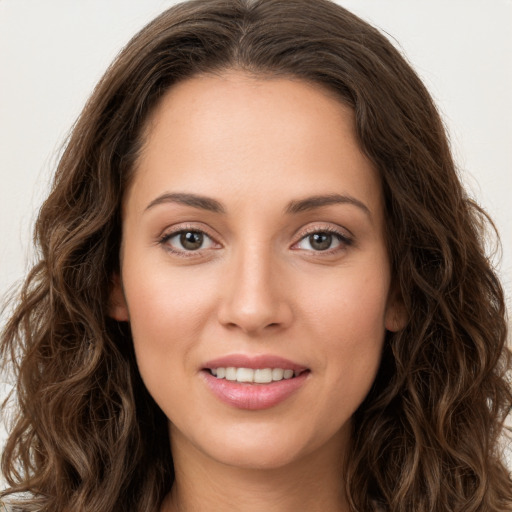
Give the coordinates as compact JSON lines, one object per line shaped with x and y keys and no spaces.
{"x":255,"y":298}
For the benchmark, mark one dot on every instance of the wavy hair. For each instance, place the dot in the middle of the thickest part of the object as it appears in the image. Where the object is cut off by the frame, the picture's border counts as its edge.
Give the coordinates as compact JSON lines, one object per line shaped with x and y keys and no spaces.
{"x":88,"y":437}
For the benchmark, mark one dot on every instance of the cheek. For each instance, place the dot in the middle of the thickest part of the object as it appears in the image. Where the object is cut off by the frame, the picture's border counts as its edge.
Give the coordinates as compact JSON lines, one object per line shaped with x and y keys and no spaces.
{"x":351,"y":306}
{"x":348,"y":323}
{"x":168,"y":310}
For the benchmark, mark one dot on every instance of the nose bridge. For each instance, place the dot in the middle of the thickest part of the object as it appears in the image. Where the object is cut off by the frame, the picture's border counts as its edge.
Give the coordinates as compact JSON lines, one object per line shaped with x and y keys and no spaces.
{"x":254,"y":299}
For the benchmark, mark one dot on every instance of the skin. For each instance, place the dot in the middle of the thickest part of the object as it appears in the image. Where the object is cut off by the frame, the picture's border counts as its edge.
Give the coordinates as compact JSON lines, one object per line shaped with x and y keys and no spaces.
{"x":257,"y":285}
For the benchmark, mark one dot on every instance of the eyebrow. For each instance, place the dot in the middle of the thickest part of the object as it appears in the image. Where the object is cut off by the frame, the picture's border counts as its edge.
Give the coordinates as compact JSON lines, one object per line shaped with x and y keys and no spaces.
{"x":293,"y":207}
{"x":193,"y":200}
{"x":310,"y":203}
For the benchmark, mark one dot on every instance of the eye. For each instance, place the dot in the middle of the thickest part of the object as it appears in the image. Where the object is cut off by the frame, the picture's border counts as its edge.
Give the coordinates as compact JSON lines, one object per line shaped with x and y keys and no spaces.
{"x":320,"y":241}
{"x":187,"y":241}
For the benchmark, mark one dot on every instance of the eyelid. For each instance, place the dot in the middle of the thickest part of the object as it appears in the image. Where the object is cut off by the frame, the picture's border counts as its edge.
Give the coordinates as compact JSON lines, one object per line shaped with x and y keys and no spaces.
{"x":324,"y":228}
{"x":174,"y":230}
{"x":346,"y":238}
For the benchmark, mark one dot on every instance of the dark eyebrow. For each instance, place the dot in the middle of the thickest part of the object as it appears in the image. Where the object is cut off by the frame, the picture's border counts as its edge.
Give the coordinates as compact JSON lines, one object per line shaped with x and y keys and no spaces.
{"x":310,"y":203}
{"x":196,"y":201}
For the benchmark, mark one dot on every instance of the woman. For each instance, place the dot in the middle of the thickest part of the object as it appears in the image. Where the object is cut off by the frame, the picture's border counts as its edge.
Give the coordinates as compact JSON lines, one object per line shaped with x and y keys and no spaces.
{"x":261,"y":284}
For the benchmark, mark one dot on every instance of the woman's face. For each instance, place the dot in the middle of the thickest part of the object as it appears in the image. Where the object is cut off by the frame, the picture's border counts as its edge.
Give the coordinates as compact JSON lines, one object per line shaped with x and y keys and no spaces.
{"x":253,"y":239}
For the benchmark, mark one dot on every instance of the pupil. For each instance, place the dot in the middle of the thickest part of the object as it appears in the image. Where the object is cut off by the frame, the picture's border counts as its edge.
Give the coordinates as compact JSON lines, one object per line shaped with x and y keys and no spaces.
{"x":320,"y":241}
{"x":191,"y":240}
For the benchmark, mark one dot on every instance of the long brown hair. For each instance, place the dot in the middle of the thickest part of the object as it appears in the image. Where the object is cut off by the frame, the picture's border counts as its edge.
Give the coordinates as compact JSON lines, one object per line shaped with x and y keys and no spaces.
{"x":87,"y":435}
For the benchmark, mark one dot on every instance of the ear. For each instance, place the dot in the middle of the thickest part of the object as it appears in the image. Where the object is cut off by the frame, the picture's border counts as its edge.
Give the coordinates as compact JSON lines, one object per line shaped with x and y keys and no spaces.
{"x":117,"y":307}
{"x":396,"y":316}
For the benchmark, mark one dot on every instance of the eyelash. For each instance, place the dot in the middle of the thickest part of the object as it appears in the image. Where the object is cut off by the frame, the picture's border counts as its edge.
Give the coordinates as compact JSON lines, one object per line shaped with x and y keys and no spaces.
{"x":345,"y":241}
{"x":164,"y":241}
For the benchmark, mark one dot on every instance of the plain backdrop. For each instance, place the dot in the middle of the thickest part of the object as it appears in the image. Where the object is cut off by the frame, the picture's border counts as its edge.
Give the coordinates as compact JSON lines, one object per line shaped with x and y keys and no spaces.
{"x":52,"y":52}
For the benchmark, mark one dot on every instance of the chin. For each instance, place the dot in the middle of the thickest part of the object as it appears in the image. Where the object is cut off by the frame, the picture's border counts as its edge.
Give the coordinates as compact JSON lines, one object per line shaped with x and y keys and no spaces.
{"x":269,"y":447}
{"x":257,"y":457}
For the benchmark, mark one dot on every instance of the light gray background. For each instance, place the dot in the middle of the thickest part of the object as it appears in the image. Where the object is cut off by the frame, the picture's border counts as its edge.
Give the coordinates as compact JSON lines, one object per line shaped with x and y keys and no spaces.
{"x":52,"y":52}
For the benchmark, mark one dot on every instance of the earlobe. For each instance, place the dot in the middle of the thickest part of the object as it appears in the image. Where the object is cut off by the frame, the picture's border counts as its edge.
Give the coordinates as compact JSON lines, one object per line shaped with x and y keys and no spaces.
{"x":117,"y":307}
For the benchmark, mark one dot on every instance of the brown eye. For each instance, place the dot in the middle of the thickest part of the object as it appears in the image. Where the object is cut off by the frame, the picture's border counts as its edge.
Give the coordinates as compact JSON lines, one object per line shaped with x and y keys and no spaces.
{"x":320,"y":241}
{"x":191,"y":240}
{"x":187,"y":241}
{"x":323,"y":241}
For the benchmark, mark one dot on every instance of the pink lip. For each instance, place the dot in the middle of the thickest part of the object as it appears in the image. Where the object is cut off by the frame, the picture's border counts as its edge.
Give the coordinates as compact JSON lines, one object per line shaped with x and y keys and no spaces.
{"x":253,"y":396}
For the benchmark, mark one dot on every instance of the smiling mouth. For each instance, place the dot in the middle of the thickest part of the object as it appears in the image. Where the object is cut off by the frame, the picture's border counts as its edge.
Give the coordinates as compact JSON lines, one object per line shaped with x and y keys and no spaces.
{"x":254,"y":376}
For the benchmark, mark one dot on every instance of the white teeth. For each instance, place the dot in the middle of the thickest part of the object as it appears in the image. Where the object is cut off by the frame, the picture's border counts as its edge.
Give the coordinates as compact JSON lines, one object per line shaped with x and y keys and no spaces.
{"x":230,"y":373}
{"x":259,"y":376}
{"x":245,"y":375}
{"x":263,"y":376}
{"x":277,"y":374}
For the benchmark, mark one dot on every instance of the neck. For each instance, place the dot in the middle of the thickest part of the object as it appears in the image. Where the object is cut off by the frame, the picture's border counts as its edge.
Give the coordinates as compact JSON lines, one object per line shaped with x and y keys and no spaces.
{"x":313,"y":483}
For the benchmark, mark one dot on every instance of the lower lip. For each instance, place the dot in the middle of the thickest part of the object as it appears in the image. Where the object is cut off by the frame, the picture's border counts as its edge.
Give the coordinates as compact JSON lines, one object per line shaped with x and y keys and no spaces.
{"x":254,"y":397}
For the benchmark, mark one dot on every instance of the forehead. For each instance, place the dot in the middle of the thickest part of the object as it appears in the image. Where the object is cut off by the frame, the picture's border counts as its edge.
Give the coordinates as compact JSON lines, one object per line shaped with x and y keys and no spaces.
{"x":255,"y":134}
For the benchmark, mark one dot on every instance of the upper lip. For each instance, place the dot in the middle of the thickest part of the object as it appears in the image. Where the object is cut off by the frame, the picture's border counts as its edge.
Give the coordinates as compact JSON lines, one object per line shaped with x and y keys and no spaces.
{"x":254,"y":362}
